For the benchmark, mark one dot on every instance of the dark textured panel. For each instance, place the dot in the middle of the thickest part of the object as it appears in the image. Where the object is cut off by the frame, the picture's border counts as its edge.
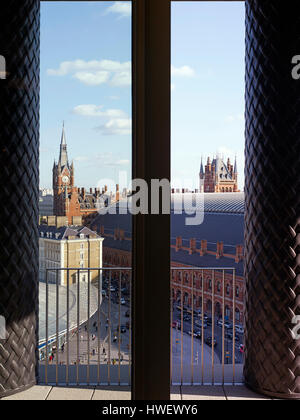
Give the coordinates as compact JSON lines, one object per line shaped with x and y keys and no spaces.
{"x":19,"y":155}
{"x":272,"y":216}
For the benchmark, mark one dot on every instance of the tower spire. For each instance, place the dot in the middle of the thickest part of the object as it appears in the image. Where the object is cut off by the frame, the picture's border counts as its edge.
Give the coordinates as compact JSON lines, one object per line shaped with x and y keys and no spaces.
{"x":63,"y":157}
{"x":201,"y":167}
{"x":235,"y":166}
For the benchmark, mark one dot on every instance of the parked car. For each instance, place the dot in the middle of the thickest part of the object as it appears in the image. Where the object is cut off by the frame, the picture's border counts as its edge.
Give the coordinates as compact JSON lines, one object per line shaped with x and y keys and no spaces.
{"x":227,"y":324}
{"x":123,"y":329}
{"x":196,"y":334}
{"x":123,"y":301}
{"x":112,"y":289}
{"x":187,"y":318}
{"x":229,"y":335}
{"x":239,"y":329}
{"x":208,"y":320}
{"x":209,"y":341}
{"x":199,"y":324}
{"x":176,"y":324}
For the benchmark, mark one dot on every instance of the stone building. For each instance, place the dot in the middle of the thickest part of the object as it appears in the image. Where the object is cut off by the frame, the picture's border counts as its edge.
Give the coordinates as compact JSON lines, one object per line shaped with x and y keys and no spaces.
{"x":218,"y":177}
{"x":69,"y":247}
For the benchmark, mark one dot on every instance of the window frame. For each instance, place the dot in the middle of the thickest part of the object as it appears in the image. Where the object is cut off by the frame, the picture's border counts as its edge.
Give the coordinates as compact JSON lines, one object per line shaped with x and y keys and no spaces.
{"x":151,"y":155}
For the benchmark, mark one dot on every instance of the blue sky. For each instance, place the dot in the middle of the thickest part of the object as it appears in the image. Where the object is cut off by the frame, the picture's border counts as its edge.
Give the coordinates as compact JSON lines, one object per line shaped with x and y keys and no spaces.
{"x":85,"y":80}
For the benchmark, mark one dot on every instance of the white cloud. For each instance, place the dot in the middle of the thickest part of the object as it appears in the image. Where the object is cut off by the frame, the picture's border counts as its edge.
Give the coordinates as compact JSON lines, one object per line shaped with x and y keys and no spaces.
{"x":95,"y":72}
{"x":114,"y":73}
{"x":98,"y":111}
{"x":116,"y":126}
{"x":93,"y":79}
{"x":184,"y":71}
{"x":122,"y":78}
{"x":117,"y":121}
{"x":123,"y":9}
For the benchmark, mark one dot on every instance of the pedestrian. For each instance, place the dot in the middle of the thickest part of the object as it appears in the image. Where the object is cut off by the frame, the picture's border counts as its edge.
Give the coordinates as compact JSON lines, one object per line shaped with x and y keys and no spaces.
{"x":104,"y":351}
{"x":63,"y":347}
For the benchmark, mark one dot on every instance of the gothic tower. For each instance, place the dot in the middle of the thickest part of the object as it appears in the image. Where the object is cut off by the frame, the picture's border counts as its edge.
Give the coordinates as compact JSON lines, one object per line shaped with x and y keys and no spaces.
{"x":65,"y":193}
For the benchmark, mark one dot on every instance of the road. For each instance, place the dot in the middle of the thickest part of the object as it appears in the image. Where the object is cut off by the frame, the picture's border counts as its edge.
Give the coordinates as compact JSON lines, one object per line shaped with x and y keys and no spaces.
{"x":187,"y":327}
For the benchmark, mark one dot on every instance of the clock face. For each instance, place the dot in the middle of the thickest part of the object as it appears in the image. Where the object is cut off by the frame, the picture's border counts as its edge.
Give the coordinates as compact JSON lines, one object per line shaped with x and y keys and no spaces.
{"x":65,"y":179}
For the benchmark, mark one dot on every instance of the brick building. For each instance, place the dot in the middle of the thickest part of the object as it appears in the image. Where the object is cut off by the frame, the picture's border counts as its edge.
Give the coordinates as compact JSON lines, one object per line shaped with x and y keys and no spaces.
{"x":68,"y":200}
{"x":218,"y":242}
{"x":218,"y":177}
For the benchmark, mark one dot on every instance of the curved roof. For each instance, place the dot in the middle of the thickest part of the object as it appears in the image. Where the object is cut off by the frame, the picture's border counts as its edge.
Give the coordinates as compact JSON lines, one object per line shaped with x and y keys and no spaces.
{"x":213,"y":203}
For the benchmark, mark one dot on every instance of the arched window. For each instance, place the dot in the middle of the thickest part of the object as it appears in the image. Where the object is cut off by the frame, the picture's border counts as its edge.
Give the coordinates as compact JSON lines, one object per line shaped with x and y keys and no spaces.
{"x":228,"y":289}
{"x":219,"y":287}
{"x":237,"y":315}
{"x":227,"y":312}
{"x":186,"y":299}
{"x":209,"y":284}
{"x":237,"y":292}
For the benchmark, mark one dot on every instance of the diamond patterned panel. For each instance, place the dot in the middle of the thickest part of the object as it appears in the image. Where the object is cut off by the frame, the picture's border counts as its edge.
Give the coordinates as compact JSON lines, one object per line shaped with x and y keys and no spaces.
{"x":19,"y":162}
{"x":272,"y":198}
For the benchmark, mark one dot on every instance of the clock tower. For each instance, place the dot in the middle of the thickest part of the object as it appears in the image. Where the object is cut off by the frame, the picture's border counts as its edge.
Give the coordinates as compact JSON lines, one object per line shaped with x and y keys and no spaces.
{"x":65,"y":193}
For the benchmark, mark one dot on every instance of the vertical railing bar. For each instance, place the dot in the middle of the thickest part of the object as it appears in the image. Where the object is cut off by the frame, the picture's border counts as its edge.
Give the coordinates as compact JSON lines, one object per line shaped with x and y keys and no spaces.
{"x":57,"y":326}
{"x":47,"y":328}
{"x":233,"y":315}
{"x":130,"y":308}
{"x":223,"y":329}
{"x":109,"y":330}
{"x":192,"y":349}
{"x":119,"y":342}
{"x":171,"y":320}
{"x":181,"y":334}
{"x":78,"y":325}
{"x":68,"y":325}
{"x":88,"y":329}
{"x":202,"y":329}
{"x":98,"y":327}
{"x":213,"y":328}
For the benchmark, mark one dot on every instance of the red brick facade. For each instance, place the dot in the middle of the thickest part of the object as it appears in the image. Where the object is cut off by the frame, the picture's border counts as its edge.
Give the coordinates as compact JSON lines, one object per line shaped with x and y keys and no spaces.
{"x":69,"y":200}
{"x":218,"y":177}
{"x":183,"y":284}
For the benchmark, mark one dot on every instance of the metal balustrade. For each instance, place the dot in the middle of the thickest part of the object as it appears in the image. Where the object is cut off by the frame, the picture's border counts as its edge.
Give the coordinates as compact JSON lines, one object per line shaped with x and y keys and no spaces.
{"x":204,"y":344}
{"x":86,"y":331}
{"x":84,"y":341}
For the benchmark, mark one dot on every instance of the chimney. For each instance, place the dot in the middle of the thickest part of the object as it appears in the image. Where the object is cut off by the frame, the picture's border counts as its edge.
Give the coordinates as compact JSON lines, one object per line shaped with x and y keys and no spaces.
{"x":220,"y":250}
{"x":239,"y":253}
{"x":203,"y":249}
{"x":83,"y":193}
{"x":192,"y":249}
{"x":105,"y":189}
{"x":178,"y":243}
{"x":91,"y":190}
